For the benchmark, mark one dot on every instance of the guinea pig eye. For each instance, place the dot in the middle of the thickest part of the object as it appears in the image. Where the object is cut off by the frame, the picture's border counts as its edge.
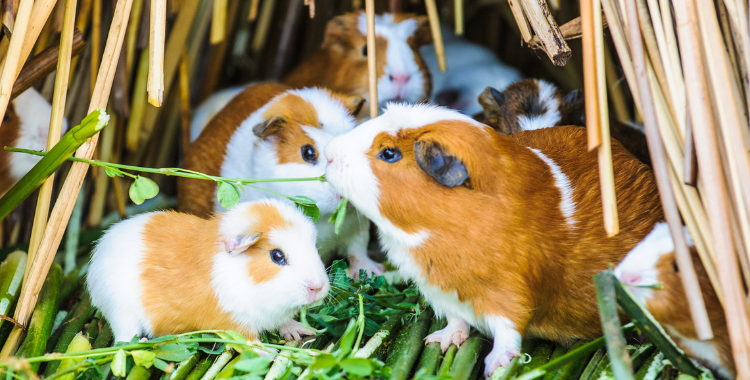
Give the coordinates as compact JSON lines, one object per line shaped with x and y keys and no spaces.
{"x":278,"y":257}
{"x":309,"y":154}
{"x":389,"y":155}
{"x":364,"y":51}
{"x":674,"y":265}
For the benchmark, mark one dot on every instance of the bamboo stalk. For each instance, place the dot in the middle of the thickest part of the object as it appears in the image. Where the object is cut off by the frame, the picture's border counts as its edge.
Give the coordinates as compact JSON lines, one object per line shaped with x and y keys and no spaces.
{"x":523,"y":23}
{"x":437,"y":35}
{"x":458,"y":9}
{"x":63,"y":207}
{"x":661,"y":171}
{"x":156,"y":52}
{"x":372,"y":69}
{"x":545,"y":27}
{"x":55,"y":126}
{"x":15,"y":54}
{"x":96,"y":40}
{"x":218,"y":22}
{"x":253,"y":10}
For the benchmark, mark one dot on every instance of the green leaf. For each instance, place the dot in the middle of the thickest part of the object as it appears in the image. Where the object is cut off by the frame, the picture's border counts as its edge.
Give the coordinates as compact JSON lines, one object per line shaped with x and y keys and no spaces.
{"x":112,"y":172}
{"x":254,"y":365}
{"x":302,"y":200}
{"x":161,"y":339}
{"x":118,"y":363}
{"x":142,"y":189}
{"x":143,"y":358}
{"x":338,"y":215}
{"x":357,"y":366}
{"x":324,"y":361}
{"x":161,"y":364}
{"x":228,"y":195}
{"x":233,"y":335}
{"x":217,"y":349}
{"x":173,"y":352}
{"x":312,"y":211}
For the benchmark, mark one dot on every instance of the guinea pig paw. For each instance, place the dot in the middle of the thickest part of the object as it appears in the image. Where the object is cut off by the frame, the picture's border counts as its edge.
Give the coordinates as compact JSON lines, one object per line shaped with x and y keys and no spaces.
{"x":293,"y":330}
{"x":369,"y":265}
{"x":499,"y":357}
{"x":143,"y":340}
{"x":447,"y":336}
{"x":263,"y":350}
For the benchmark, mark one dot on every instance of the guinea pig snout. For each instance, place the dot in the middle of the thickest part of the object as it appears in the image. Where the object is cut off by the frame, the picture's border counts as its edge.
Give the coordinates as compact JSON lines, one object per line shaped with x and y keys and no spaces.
{"x":629,"y":278}
{"x":316,"y":290}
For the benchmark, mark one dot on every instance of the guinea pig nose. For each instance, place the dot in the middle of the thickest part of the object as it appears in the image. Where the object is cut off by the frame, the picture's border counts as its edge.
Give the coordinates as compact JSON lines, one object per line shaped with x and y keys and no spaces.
{"x":313,"y":289}
{"x":630,"y":278}
{"x":399,"y":78}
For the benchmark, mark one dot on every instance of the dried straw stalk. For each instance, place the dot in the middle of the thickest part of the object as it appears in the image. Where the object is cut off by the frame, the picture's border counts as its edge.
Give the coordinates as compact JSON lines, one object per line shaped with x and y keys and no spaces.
{"x":437,"y":35}
{"x":15,"y":55}
{"x":372,"y":69}
{"x":523,"y":23}
{"x":254,"y":9}
{"x":545,"y":27}
{"x":458,"y":9}
{"x":96,"y":40}
{"x":218,"y":22}
{"x":72,"y":185}
{"x":156,"y":38}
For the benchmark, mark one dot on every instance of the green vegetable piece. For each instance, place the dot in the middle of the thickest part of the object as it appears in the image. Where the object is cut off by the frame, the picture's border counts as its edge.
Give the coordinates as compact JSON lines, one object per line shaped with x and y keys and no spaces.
{"x":228,"y":195}
{"x":412,"y":347}
{"x":622,"y":367}
{"x":324,"y":361}
{"x":118,"y":364}
{"x":43,"y":317}
{"x":112,"y":173}
{"x":139,"y":373}
{"x":174,"y":352}
{"x":143,"y":358}
{"x":72,"y":325}
{"x":467,"y":357}
{"x":357,"y":366}
{"x":338,"y":216}
{"x":141,"y":189}
{"x":78,"y":344}
{"x":11,"y":278}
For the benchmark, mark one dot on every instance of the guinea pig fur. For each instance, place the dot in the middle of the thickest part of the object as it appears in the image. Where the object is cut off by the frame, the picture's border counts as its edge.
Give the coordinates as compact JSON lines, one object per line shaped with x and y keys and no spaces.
{"x":500,"y":233}
{"x":25,"y":125}
{"x":341,"y":62}
{"x":271,"y":131}
{"x":249,"y":269}
{"x":653,"y":261}
{"x":531,"y":104}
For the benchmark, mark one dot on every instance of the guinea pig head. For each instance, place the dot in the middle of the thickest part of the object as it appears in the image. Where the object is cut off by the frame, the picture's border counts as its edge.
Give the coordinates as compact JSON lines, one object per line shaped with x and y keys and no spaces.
{"x":294,"y":129}
{"x":413,"y":166}
{"x":530,"y":104}
{"x":269,"y":261}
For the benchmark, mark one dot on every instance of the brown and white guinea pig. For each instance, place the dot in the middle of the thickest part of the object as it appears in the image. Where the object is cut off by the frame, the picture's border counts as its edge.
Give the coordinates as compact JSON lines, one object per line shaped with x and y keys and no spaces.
{"x":249,"y":269}
{"x":653,"y":261}
{"x":341,"y":64}
{"x":500,"y":233}
{"x":531,"y":104}
{"x":25,"y":125}
{"x":271,"y":131}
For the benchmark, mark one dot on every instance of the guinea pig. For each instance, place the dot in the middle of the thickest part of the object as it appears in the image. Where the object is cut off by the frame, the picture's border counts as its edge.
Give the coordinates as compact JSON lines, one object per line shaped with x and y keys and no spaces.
{"x":271,"y":131}
{"x":534,"y":104}
{"x":249,"y":269}
{"x":341,"y":64}
{"x":500,"y":233}
{"x":25,"y":125}
{"x":471,"y":68}
{"x":653,"y":261}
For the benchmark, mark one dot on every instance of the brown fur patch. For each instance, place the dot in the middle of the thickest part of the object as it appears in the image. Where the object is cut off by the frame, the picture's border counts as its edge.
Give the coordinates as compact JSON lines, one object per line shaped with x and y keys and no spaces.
{"x":170,"y":262}
{"x":292,"y":112}
{"x":206,"y":153}
{"x":500,"y":240}
{"x":9,"y":133}
{"x":669,"y":307}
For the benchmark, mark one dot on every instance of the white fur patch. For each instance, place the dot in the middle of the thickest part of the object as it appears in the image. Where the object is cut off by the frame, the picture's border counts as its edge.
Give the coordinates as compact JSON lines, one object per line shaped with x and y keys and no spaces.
{"x":113,"y":279}
{"x":504,"y":332}
{"x":548,"y":100}
{"x":702,"y":350}
{"x":210,"y":107}
{"x":567,"y":204}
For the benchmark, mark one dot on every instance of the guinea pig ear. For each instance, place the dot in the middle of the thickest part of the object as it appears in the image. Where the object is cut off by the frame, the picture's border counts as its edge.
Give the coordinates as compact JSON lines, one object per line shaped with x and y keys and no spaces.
{"x":353,"y":104}
{"x":422,"y":35}
{"x":268,"y":127}
{"x":234,"y":245}
{"x":573,"y":105}
{"x":439,"y":164}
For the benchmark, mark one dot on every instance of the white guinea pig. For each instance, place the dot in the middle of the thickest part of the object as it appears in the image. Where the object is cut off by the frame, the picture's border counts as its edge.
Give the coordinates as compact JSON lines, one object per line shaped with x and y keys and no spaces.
{"x":249,"y":269}
{"x":653,"y":261}
{"x":25,"y":125}
{"x":271,"y":131}
{"x":340,"y":64}
{"x":471,"y":68}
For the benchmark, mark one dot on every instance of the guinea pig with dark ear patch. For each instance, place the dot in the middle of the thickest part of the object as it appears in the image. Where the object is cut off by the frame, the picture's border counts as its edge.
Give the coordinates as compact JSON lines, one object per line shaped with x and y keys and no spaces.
{"x":272,"y":131}
{"x":500,"y":233}
{"x":652,"y":262}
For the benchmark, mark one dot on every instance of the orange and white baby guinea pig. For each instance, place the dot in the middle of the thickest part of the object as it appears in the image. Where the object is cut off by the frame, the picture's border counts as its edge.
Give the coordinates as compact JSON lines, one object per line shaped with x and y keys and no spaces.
{"x":653,"y":261}
{"x":272,"y":131}
{"x":341,"y":64}
{"x":25,"y":125}
{"x":249,"y":269}
{"x":500,"y":233}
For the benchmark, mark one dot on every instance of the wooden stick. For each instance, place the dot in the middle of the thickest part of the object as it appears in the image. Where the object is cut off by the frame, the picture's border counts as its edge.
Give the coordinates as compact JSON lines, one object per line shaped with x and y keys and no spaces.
{"x":672,"y":58}
{"x":661,"y":171}
{"x":185,"y":99}
{"x":96,"y":40}
{"x":545,"y":27}
{"x":156,"y":52}
{"x":10,"y":10}
{"x":253,"y":10}
{"x":41,"y":11}
{"x":15,"y":55}
{"x":590,"y":81}
{"x":55,"y":125}
{"x":64,"y":206}
{"x":218,"y":22}
{"x":570,"y":31}
{"x":623,"y":50}
{"x":372,"y":69}
{"x":523,"y":23}
{"x":691,"y":160}
{"x":42,"y":64}
{"x":458,"y":9}
{"x":437,"y":34}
